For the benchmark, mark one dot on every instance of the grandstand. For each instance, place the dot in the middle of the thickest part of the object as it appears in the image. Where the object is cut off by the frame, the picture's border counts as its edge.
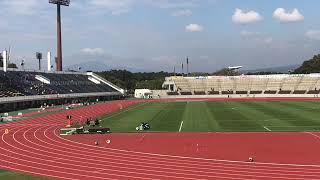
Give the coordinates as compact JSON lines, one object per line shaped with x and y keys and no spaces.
{"x":280,"y":84}
{"x":20,"y":88}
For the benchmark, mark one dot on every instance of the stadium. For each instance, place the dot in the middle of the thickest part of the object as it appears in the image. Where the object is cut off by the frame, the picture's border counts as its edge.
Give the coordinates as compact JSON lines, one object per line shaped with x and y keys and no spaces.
{"x":62,"y":124}
{"x":230,"y":127}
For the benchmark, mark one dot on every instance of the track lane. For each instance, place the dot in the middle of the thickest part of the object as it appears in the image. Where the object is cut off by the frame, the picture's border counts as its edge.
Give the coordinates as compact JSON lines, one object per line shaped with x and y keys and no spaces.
{"x":38,"y":149}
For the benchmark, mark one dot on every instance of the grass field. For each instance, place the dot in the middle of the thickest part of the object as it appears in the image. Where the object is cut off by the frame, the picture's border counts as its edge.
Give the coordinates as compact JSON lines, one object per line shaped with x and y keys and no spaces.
{"x":205,"y":116}
{"x":8,"y":175}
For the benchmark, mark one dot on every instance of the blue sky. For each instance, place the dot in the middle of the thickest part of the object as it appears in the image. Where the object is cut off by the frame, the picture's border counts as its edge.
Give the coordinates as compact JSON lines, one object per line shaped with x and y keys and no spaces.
{"x":155,"y":35}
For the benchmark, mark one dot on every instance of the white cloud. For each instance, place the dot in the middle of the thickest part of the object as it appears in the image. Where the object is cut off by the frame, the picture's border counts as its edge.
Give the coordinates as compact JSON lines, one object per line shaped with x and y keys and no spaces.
{"x":268,"y":40}
{"x":242,"y":17}
{"x":249,"y":33}
{"x":313,"y":35}
{"x":92,"y":51}
{"x":21,"y":7}
{"x":185,"y":12}
{"x":256,"y":37}
{"x":286,"y":16}
{"x":194,"y":28}
{"x":116,"y":7}
{"x":166,"y":4}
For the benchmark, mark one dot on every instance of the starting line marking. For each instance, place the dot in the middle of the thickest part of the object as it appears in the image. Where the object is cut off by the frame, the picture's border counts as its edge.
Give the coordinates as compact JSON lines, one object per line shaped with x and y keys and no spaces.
{"x":266,"y":128}
{"x":181,"y":126}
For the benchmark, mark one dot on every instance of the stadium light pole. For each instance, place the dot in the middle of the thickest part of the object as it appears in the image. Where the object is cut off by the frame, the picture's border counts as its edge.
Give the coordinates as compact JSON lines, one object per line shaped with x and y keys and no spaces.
{"x":39,"y":57}
{"x":59,"y":3}
{"x":187,"y":66}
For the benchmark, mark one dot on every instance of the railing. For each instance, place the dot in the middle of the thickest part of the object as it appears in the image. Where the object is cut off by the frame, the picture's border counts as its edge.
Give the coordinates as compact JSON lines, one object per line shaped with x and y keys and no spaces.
{"x":51,"y":72}
{"x":106,"y":82}
{"x":54,"y":96}
{"x":43,"y":79}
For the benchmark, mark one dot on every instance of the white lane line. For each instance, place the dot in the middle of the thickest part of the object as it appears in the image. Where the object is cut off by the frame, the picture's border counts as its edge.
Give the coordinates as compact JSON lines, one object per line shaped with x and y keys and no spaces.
{"x":314,"y":135}
{"x":181,"y":126}
{"x":266,"y":128}
{"x":126,"y":110}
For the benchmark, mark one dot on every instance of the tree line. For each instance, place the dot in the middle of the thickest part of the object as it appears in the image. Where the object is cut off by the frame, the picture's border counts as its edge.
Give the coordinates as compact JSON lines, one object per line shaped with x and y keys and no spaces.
{"x":153,"y":80}
{"x":131,"y":81}
{"x":309,"y":66}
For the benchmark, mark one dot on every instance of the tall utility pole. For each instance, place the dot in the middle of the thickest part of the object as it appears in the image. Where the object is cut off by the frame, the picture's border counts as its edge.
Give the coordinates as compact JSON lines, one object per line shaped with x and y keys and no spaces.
{"x":59,"y":39}
{"x":182,"y":71}
{"x":187,"y":66}
{"x":4,"y":59}
{"x":59,"y":3}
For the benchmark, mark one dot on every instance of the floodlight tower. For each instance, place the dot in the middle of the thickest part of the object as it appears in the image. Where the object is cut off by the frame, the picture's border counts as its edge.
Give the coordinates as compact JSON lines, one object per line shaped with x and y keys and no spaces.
{"x":59,"y":3}
{"x":39,"y":57}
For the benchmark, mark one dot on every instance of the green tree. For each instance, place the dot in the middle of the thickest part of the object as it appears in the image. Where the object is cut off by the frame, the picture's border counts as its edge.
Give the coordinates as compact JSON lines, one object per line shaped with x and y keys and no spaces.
{"x":140,"y":80}
{"x":309,"y":66}
{"x":262,"y":73}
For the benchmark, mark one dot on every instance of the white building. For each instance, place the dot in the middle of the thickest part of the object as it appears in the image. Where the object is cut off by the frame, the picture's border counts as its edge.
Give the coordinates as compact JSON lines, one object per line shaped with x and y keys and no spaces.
{"x":142,"y":93}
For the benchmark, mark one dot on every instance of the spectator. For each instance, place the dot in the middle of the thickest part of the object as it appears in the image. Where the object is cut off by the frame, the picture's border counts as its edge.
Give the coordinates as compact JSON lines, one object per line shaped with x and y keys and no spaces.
{"x":97,"y":122}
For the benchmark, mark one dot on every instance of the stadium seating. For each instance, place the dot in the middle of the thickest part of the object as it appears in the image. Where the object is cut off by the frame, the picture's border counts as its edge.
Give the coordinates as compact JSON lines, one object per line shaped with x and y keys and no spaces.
{"x":26,"y":83}
{"x":246,"y":84}
{"x":306,"y":84}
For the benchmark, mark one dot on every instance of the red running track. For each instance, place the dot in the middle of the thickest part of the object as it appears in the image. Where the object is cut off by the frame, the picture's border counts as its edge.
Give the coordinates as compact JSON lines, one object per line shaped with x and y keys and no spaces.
{"x":34,"y":146}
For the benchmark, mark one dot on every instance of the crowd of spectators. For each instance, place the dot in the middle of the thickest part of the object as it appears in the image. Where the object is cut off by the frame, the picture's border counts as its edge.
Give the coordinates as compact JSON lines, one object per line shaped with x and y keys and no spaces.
{"x":23,"y":83}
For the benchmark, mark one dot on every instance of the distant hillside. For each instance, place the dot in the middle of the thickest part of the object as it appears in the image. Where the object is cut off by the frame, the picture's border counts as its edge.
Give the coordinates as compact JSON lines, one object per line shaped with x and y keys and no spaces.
{"x":310,"y":66}
{"x":280,"y":69}
{"x":131,"y":81}
{"x":98,"y":66}
{"x":90,"y":66}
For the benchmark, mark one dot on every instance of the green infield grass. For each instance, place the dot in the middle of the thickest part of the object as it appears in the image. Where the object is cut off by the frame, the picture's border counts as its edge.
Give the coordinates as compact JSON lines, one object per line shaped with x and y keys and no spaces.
{"x":9,"y":175}
{"x":205,"y":116}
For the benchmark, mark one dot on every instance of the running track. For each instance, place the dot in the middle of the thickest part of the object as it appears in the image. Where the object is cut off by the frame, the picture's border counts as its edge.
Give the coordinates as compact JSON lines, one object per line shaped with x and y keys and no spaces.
{"x":34,"y":146}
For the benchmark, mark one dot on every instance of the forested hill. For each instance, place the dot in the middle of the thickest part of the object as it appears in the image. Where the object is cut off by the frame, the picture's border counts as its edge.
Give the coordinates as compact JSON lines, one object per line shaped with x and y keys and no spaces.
{"x":153,"y":80}
{"x":310,"y":66}
{"x":131,"y":81}
{"x":141,"y":80}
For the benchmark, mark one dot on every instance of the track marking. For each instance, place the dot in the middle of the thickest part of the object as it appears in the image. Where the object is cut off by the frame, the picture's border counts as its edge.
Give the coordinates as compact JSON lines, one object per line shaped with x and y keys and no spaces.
{"x":266,"y":128}
{"x":38,"y":128}
{"x":126,"y":110}
{"x":196,"y":158}
{"x":314,"y":135}
{"x":223,"y":172}
{"x":181,"y":126}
